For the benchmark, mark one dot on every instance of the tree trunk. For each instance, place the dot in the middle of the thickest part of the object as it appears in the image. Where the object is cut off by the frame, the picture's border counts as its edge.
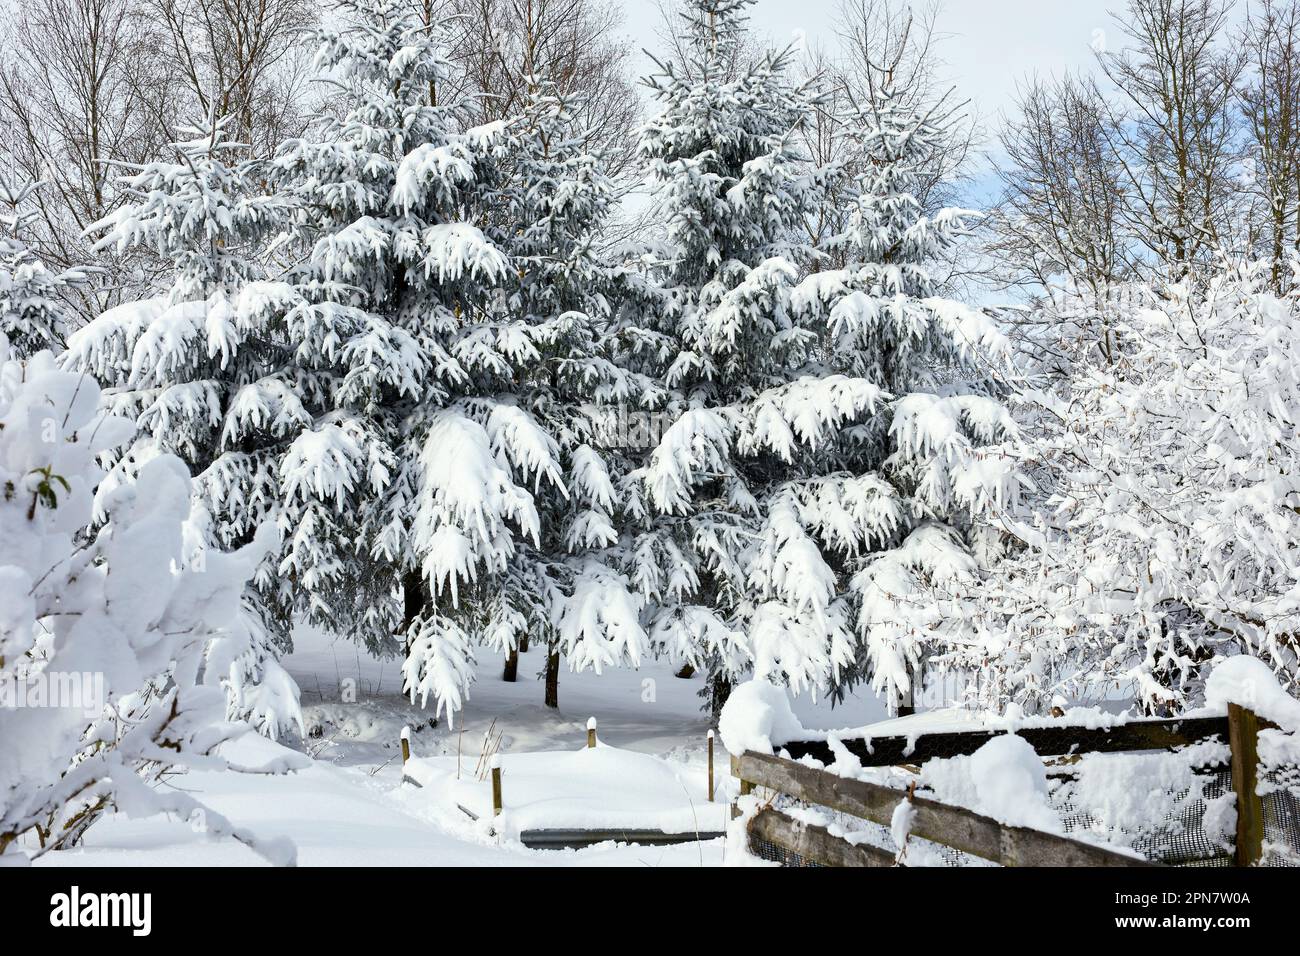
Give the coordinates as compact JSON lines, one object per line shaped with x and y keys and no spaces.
{"x":523,"y":643}
{"x":413,"y":599}
{"x":719,"y":691}
{"x":512,"y":666}
{"x":1279,"y":235}
{"x":907,"y":699}
{"x":553,"y":678}
{"x":686,"y":673}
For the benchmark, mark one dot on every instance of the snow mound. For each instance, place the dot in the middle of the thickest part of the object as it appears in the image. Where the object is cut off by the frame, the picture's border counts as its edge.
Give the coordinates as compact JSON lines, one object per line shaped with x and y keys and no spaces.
{"x":252,"y":750}
{"x":1249,"y":682}
{"x":1011,"y":784}
{"x":757,"y":716}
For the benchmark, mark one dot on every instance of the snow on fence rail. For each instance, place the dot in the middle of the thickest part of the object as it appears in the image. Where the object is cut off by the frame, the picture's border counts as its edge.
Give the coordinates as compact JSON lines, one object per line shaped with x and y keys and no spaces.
{"x":1053,"y":741}
{"x":967,"y":831}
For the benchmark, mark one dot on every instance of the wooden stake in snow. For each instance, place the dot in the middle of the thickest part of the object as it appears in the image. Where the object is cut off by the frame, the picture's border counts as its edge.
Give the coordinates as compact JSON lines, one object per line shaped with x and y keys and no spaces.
{"x":591,"y":731}
{"x":406,"y":745}
{"x":496,"y":785}
{"x":710,"y":765}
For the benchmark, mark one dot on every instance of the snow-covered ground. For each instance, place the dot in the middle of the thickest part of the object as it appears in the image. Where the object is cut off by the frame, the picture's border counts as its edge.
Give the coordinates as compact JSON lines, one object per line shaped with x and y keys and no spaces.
{"x":350,"y":807}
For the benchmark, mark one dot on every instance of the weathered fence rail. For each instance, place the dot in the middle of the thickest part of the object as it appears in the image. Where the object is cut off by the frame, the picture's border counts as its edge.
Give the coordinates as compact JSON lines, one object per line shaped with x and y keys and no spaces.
{"x":970,"y":832}
{"x":811,"y":842}
{"x":955,"y":827}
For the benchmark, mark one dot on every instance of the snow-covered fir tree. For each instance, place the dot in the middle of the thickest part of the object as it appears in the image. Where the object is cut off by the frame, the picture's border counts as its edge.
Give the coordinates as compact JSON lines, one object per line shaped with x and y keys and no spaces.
{"x":32,"y":313}
{"x":191,"y":367}
{"x":825,"y":466}
{"x":732,"y":188}
{"x":388,"y":502}
{"x":898,"y":501}
{"x":397,"y":379}
{"x":540,"y":412}
{"x":302,"y":378}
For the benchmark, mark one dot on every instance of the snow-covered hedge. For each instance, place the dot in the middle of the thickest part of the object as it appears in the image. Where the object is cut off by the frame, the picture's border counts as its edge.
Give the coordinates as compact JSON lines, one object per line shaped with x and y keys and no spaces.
{"x":116,"y":632}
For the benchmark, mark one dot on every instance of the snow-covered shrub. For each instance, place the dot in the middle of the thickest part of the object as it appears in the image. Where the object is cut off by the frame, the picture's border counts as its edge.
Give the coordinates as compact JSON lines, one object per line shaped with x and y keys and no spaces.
{"x":116,"y":632}
{"x":1166,"y":531}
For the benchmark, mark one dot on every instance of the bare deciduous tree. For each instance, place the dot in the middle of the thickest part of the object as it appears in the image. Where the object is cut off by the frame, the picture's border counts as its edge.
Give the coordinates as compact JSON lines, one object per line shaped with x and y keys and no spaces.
{"x":498,"y":45}
{"x":1062,"y":187}
{"x":1176,"y":134}
{"x":246,"y":61}
{"x":1059,"y":220}
{"x":89,"y":87}
{"x":75,"y":96}
{"x":1270,"y":103}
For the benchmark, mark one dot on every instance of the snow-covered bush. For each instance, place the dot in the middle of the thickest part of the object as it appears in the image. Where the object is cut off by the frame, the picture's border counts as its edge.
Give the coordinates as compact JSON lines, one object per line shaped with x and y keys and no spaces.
{"x":116,"y":631}
{"x":1166,"y":531}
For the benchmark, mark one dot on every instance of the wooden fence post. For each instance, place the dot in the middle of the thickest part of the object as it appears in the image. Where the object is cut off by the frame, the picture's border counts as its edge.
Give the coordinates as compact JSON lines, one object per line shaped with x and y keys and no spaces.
{"x":746,"y":787}
{"x":591,"y":731}
{"x":710,"y":765}
{"x":406,"y":745}
{"x":1243,"y":738}
{"x":496,"y":785}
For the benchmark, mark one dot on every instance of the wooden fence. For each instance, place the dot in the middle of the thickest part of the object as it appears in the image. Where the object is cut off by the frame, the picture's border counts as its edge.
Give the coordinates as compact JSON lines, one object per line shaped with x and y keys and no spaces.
{"x":963,"y":829}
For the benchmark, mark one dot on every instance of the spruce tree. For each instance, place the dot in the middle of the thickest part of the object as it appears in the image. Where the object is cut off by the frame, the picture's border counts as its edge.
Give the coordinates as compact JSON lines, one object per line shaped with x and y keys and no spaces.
{"x":732,"y":188}
{"x":387,"y":294}
{"x":325,"y":308}
{"x":895,"y":502}
{"x":541,"y":407}
{"x":188,"y":368}
{"x":823,"y":465}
